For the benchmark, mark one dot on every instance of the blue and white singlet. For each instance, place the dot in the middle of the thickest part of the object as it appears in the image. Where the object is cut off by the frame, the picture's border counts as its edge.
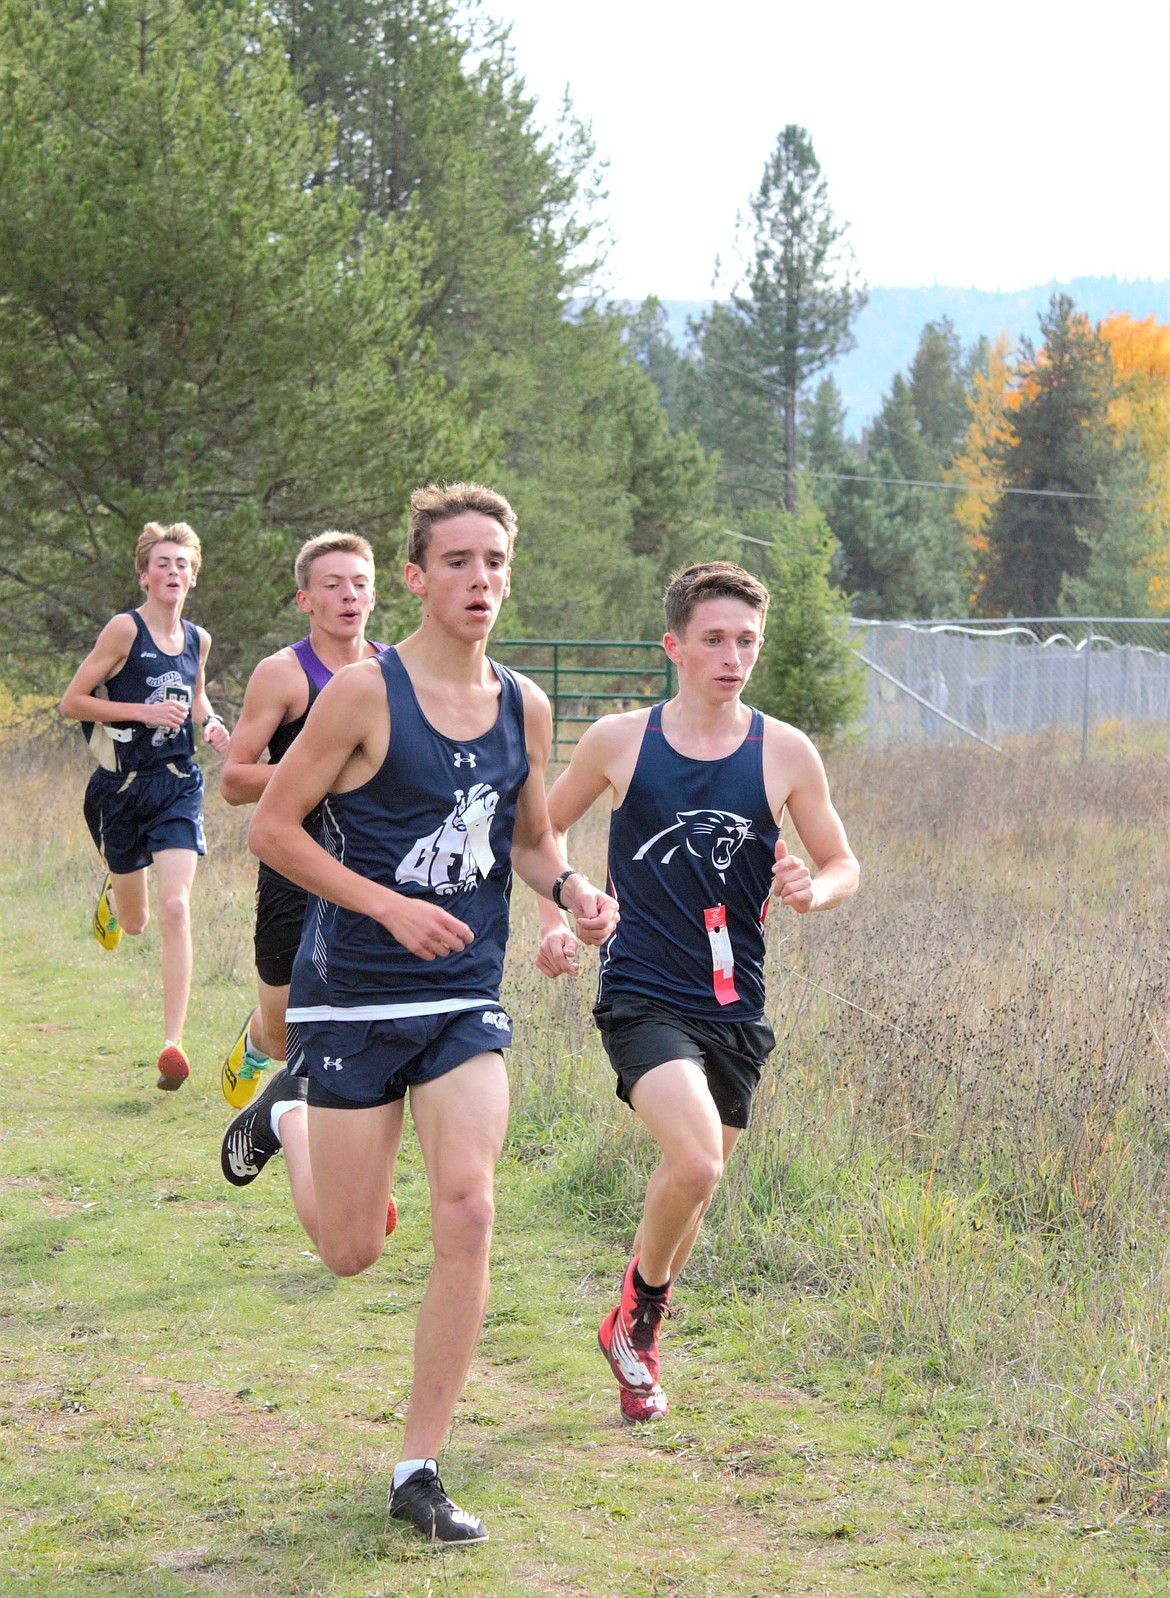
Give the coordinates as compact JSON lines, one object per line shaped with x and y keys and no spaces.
{"x":434,"y":822}
{"x":691,"y":850}
{"x":147,"y":677}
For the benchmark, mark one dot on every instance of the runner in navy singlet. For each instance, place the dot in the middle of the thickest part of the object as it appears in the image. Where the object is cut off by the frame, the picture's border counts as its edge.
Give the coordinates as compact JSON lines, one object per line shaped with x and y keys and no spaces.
{"x":428,"y":764}
{"x":138,"y":694}
{"x":335,"y":589}
{"x":698,"y":786}
{"x":334,"y":574}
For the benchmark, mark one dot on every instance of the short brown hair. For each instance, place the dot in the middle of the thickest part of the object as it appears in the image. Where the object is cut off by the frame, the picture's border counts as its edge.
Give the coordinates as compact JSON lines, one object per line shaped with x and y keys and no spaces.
{"x":439,"y":502}
{"x":177,"y":533}
{"x":711,"y":579}
{"x":330,"y":542}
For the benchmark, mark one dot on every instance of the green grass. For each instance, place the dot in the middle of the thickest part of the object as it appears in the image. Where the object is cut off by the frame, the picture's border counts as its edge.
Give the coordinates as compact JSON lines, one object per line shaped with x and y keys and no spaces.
{"x":923,"y":1348}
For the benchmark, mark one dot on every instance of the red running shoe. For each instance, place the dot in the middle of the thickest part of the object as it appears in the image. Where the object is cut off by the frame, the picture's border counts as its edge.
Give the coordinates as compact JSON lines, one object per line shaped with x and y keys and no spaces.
{"x":628,"y":1337}
{"x":391,"y":1215}
{"x":173,"y":1069}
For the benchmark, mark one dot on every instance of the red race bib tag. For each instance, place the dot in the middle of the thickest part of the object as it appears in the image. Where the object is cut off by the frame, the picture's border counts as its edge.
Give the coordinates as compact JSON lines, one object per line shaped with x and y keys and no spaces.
{"x":722,"y":960}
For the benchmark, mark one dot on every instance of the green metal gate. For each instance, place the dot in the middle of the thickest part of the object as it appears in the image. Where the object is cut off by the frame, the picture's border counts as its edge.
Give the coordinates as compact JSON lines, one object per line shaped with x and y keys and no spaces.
{"x":587,"y":678}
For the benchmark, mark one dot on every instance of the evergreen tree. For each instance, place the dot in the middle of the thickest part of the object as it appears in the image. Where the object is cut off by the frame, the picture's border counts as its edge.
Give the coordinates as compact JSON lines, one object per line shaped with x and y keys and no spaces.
{"x":808,"y":673}
{"x":823,"y":446}
{"x":188,"y":328}
{"x":610,"y":500}
{"x":1124,"y":551}
{"x":903,"y":552}
{"x":436,"y":131}
{"x":1060,"y":456}
{"x":800,"y":299}
{"x":897,"y":435}
{"x":654,"y":350}
{"x":733,"y":413}
{"x":900,"y":553}
{"x":938,"y":388}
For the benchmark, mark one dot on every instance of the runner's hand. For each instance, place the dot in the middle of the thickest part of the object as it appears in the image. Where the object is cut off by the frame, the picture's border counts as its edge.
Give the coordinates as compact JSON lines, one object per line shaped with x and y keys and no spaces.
{"x":557,"y":955}
{"x":792,"y":881}
{"x":424,"y":929}
{"x":164,"y":713}
{"x":594,"y":913}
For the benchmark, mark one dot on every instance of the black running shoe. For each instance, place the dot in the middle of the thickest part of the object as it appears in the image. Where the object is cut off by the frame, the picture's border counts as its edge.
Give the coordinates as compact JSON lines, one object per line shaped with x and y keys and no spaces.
{"x":422,"y":1501}
{"x":249,"y":1142}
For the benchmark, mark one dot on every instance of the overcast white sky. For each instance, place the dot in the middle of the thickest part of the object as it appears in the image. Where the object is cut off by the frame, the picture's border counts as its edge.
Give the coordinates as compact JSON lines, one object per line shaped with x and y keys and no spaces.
{"x":994,"y":145}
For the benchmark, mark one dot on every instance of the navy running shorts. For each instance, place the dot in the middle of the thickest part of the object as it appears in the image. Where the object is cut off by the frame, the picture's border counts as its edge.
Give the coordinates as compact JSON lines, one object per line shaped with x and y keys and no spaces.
{"x":280,"y":915}
{"x":132,"y":815}
{"x":354,"y":1065}
{"x":639,"y":1035}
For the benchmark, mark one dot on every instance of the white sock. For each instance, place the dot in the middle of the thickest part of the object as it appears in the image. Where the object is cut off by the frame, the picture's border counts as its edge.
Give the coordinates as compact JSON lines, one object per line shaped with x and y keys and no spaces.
{"x":256,"y":1056}
{"x":406,"y":1468}
{"x":281,"y":1107}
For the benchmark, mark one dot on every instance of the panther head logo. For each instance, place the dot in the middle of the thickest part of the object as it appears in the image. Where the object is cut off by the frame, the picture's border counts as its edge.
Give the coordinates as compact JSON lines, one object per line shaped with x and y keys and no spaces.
{"x":712,"y":835}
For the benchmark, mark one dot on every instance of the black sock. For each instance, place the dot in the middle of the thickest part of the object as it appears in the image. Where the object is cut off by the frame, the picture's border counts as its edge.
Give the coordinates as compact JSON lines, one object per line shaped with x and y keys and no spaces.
{"x":640,"y":1286}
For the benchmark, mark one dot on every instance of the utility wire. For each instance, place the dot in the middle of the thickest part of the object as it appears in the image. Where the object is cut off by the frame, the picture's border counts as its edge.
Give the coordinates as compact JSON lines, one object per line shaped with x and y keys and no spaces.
{"x":978,"y":488}
{"x":918,"y":482}
{"x":958,"y":488}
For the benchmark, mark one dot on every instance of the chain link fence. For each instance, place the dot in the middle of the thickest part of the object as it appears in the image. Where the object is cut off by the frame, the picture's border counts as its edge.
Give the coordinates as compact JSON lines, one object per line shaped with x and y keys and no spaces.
{"x":993,"y":680}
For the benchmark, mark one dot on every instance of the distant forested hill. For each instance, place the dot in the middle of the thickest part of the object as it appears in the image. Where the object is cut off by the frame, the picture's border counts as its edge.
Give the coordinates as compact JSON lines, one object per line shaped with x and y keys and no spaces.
{"x":887,"y":330}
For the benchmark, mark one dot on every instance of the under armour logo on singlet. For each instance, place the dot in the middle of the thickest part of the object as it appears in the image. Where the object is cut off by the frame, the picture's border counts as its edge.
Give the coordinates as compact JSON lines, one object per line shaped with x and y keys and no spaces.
{"x":462,"y":759}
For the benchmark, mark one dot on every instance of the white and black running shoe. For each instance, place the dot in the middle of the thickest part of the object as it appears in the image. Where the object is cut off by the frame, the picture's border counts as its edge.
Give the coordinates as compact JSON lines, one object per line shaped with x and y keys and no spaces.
{"x":249,"y":1142}
{"x":422,"y":1501}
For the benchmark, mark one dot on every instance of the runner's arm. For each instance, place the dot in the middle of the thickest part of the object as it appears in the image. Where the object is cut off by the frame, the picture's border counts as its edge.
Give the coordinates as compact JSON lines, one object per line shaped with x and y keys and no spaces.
{"x":538,"y":854}
{"x":210,"y":723}
{"x":818,"y":826}
{"x":80,"y":702}
{"x":268,"y":702}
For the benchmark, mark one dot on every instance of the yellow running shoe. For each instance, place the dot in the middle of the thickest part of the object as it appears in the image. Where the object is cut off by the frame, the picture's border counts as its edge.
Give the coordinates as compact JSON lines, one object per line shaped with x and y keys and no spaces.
{"x":241,"y":1073}
{"x":105,"y":923}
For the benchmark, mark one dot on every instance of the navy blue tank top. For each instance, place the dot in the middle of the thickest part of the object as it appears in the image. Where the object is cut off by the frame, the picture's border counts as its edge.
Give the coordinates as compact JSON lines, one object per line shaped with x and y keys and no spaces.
{"x":434,"y":822}
{"x":147,"y":677}
{"x":317,"y":674}
{"x":691,"y":850}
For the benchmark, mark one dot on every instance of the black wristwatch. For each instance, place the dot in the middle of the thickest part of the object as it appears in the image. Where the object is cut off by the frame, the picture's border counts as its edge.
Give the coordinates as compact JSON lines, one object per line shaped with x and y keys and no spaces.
{"x":568,"y":872}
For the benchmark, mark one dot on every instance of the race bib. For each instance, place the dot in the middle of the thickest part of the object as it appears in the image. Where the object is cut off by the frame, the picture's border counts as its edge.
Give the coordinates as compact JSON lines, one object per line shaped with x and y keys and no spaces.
{"x":722,"y":960}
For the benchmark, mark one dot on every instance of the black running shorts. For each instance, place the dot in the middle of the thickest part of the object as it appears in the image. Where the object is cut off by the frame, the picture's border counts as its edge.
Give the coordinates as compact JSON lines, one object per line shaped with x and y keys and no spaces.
{"x":280,"y":915}
{"x":731,"y":1054}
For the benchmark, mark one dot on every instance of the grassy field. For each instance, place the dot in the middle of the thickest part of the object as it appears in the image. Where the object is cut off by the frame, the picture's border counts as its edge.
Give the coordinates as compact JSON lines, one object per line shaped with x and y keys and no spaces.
{"x":923,"y":1347}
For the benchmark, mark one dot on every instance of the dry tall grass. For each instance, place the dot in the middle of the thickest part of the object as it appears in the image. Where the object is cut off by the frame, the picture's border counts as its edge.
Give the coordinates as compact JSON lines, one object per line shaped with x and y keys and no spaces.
{"x":957,"y":1177}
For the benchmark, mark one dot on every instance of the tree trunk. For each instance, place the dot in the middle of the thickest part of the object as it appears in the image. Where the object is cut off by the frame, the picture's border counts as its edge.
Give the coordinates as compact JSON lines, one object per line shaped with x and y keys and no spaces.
{"x":790,"y":451}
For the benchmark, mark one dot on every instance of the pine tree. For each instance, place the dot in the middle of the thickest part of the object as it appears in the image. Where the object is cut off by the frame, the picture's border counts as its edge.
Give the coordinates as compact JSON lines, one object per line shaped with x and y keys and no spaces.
{"x":1059,"y":457}
{"x":808,"y":673}
{"x":801,"y":296}
{"x":188,"y":328}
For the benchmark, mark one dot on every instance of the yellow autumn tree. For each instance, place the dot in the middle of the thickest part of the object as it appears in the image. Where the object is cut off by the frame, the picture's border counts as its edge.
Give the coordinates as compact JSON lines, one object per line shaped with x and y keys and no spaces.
{"x":1141,"y":410}
{"x":993,"y":396}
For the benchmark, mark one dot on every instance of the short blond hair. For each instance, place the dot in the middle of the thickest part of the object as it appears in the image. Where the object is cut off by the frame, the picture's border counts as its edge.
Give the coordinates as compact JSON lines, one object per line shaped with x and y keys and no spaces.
{"x":177,"y":533}
{"x":440,"y":502}
{"x":330,"y":542}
